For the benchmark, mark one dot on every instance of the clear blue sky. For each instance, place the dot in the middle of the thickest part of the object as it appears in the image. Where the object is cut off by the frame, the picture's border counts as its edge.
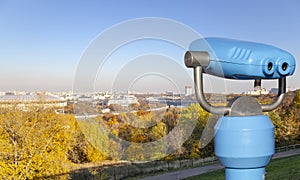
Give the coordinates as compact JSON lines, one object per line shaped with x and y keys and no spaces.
{"x":42,"y":40}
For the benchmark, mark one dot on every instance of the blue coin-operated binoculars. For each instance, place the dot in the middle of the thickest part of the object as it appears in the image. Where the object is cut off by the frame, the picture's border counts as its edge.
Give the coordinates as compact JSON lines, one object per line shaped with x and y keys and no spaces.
{"x":244,"y":137}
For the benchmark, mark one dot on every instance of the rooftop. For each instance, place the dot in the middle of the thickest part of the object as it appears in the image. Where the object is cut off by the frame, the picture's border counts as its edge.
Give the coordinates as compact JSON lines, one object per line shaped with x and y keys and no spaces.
{"x":32,"y":97}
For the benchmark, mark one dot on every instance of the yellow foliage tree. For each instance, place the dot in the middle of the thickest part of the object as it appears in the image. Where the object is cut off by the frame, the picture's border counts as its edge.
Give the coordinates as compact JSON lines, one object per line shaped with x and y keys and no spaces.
{"x":34,"y":144}
{"x":98,"y":136}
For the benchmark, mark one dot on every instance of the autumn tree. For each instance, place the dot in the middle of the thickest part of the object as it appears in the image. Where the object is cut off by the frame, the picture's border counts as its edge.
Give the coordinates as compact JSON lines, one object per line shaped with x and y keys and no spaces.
{"x":158,"y":131}
{"x":286,"y":120}
{"x":98,"y":134}
{"x":34,"y":144}
{"x":134,"y":107}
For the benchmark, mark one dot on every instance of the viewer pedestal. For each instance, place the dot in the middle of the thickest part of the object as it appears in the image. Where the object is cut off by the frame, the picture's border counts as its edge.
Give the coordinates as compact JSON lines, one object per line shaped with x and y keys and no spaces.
{"x":244,"y":145}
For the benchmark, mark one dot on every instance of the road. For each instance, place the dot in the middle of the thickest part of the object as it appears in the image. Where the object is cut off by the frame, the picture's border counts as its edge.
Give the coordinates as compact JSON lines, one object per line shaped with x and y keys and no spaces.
{"x":181,"y":174}
{"x":116,"y":113}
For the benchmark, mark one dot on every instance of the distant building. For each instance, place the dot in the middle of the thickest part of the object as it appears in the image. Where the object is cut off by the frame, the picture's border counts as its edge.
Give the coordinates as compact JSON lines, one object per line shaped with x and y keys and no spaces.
{"x":99,"y":97}
{"x":26,"y":100}
{"x":85,"y":98}
{"x":106,"y":110}
{"x":258,"y":92}
{"x":274,"y":91}
{"x":188,"y":90}
{"x":169,"y":93}
{"x":123,"y":100}
{"x":152,"y":100}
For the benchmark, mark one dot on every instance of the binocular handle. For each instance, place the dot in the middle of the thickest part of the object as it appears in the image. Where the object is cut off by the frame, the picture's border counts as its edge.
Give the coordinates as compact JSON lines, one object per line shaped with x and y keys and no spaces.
{"x":224,"y":110}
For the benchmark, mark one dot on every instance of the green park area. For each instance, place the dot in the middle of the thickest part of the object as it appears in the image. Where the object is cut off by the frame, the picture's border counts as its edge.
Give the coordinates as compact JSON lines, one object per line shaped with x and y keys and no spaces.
{"x":284,"y":168}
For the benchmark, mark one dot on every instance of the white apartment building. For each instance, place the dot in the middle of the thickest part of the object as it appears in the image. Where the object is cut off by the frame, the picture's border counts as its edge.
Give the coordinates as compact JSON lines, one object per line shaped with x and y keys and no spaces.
{"x":123,"y":100}
{"x":27,"y":100}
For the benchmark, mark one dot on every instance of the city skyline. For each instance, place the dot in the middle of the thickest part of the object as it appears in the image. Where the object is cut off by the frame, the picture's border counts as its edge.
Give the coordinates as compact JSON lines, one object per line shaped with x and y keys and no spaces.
{"x":43,"y":42}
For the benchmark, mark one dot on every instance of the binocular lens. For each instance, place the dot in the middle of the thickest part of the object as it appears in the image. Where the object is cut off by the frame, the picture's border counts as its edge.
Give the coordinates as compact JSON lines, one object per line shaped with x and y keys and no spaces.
{"x":270,"y":66}
{"x":284,"y":66}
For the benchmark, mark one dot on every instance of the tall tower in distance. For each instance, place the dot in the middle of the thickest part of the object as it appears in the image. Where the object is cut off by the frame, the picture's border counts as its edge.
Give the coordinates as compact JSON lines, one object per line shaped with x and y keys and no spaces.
{"x":188,"y":90}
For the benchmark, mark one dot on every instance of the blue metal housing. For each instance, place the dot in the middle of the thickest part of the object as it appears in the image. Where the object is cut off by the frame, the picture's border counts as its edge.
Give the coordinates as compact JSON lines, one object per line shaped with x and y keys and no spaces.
{"x":236,"y":59}
{"x":244,"y":145}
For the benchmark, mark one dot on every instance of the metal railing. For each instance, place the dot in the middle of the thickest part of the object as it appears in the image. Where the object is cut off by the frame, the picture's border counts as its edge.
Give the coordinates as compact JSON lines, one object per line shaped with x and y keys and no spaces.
{"x":131,"y":169}
{"x":287,"y":148}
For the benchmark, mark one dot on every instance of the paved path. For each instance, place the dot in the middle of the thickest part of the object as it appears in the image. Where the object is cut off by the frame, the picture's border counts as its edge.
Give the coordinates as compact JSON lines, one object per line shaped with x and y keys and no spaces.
{"x":286,"y":153}
{"x":181,"y":174}
{"x":82,"y":117}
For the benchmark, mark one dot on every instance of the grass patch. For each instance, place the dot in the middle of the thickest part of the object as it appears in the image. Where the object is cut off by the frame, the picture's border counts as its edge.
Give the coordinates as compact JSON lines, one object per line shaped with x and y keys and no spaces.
{"x":215,"y":175}
{"x":283,"y":168}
